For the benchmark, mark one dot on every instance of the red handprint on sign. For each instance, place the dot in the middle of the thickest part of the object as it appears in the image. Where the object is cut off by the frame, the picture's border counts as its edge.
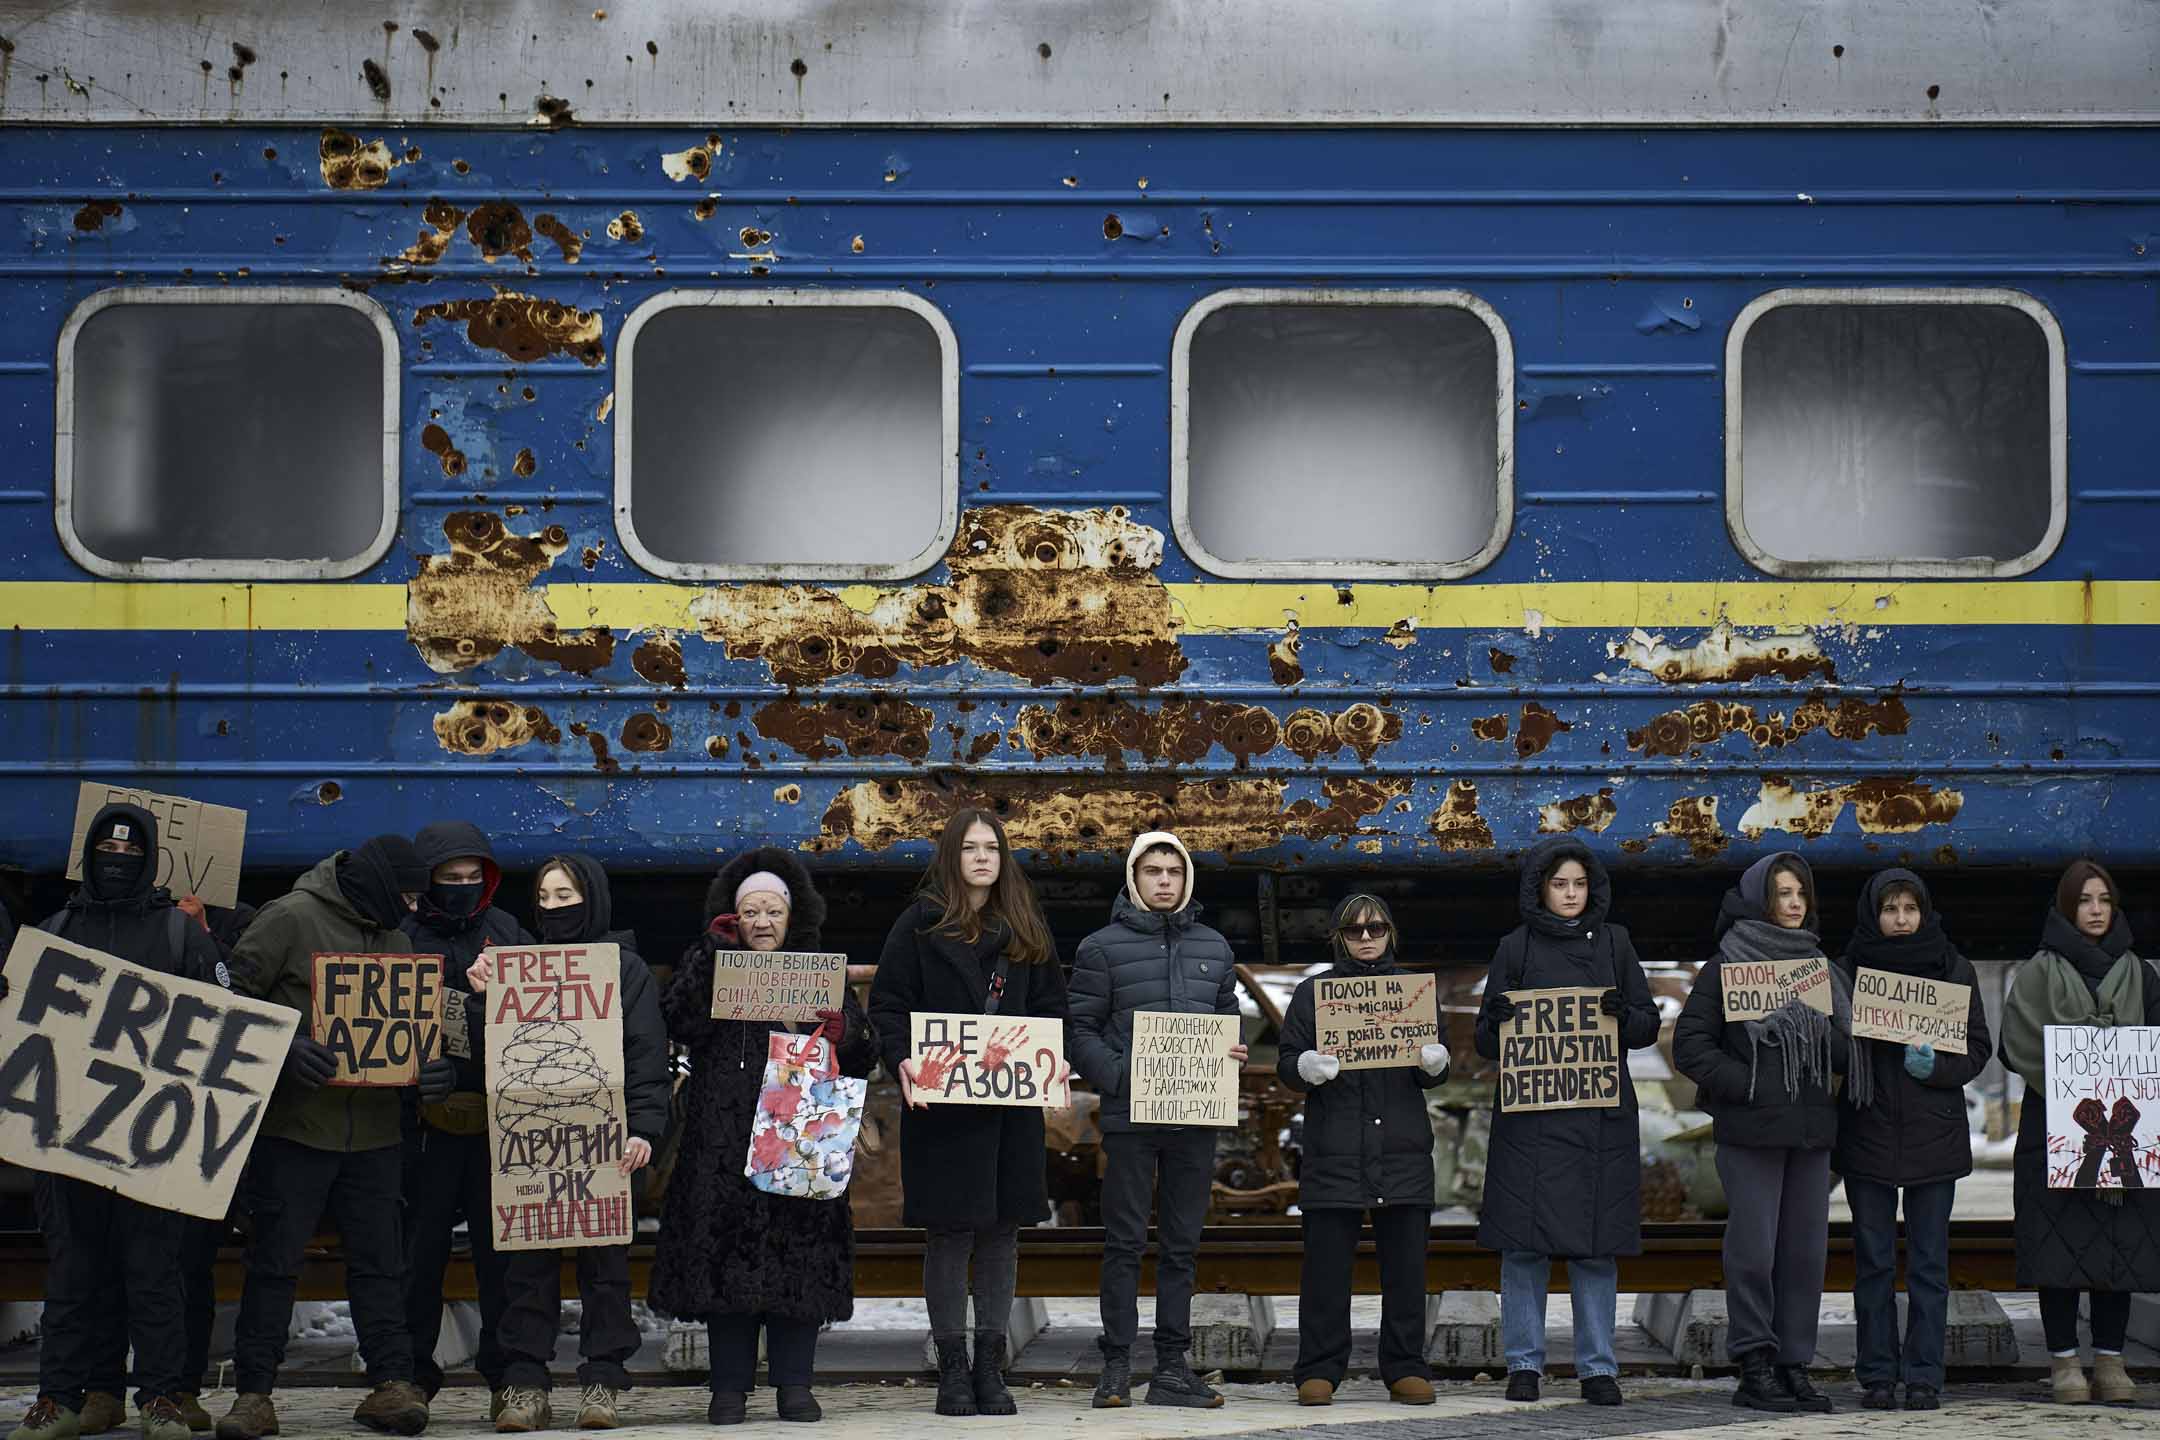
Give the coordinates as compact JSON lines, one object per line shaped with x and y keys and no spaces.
{"x":935,"y":1064}
{"x":999,"y":1049}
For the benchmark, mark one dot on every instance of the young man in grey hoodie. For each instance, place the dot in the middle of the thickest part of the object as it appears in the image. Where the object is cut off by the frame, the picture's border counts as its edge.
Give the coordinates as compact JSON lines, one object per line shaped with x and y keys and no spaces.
{"x":1153,"y":955}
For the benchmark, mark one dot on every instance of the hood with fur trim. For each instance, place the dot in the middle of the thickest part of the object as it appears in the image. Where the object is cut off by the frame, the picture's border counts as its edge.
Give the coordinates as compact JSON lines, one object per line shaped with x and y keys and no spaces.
{"x":806,"y":908}
{"x":1139,"y":848}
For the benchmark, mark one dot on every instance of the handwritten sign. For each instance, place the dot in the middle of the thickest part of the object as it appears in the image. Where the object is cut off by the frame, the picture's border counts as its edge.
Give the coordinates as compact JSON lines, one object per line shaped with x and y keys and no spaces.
{"x":381,"y":1015}
{"x":1755,"y":988}
{"x":142,"y":1082}
{"x":989,"y":1060}
{"x":2103,"y":1107}
{"x":1910,"y":1011}
{"x":456,"y":1024}
{"x":557,"y":1121}
{"x":1560,"y":1052}
{"x":1181,"y":1070}
{"x":1370,"y":1022}
{"x":198,"y":844}
{"x":776,"y":984}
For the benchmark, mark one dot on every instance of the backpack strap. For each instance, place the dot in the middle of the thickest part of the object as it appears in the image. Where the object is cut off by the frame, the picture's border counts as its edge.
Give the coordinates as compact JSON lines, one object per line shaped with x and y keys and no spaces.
{"x":176,"y":923}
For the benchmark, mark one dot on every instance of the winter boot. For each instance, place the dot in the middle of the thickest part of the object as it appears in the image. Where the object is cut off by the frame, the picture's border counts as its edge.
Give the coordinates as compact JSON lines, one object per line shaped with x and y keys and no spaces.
{"x":102,"y":1411}
{"x":252,"y":1416}
{"x":48,"y":1419}
{"x":2111,"y":1384}
{"x":1882,"y":1395}
{"x":1113,"y":1388}
{"x":1758,"y":1388}
{"x":162,"y":1420}
{"x":525,"y":1408}
{"x":191,"y":1410}
{"x":596,"y":1408}
{"x":991,"y":1396}
{"x":728,"y":1407}
{"x":955,"y":1391}
{"x":1922,"y":1397}
{"x":1522,"y":1386}
{"x":395,"y":1407}
{"x":1175,"y":1384}
{"x":1411,"y":1390}
{"x":1793,"y":1381}
{"x":798,"y":1404}
{"x":1316,"y":1392}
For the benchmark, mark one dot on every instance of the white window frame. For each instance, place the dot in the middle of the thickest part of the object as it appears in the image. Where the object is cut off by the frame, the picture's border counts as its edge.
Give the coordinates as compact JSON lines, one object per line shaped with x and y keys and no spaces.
{"x":948,"y":433}
{"x":198,"y":567}
{"x":1339,"y":569}
{"x":1903,"y":569}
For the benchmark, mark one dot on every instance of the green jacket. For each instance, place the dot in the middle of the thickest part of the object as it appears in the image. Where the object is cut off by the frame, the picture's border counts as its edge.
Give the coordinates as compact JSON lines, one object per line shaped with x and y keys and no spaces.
{"x":274,"y":961}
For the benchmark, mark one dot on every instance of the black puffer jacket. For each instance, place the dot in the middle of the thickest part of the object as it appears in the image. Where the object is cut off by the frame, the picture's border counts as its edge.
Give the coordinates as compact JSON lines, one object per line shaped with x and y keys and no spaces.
{"x":1566,"y":1182}
{"x":647,"y":1083}
{"x":139,"y":924}
{"x":459,"y":939}
{"x":727,"y":1247}
{"x":1141,"y":960}
{"x":1368,"y":1139}
{"x":1915,"y":1131}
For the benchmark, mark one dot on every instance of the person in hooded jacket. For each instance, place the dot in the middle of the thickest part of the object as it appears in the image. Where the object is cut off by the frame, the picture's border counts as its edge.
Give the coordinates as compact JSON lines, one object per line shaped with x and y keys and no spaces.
{"x":101,"y":1246}
{"x":572,"y":906}
{"x":2100,"y":1244}
{"x":1912,"y":1136}
{"x":1153,"y":955}
{"x":1565,"y":1183}
{"x":329,"y":1149}
{"x":449,"y":1173}
{"x":1767,"y":1085}
{"x":734,"y":1256}
{"x":1368,"y":1154}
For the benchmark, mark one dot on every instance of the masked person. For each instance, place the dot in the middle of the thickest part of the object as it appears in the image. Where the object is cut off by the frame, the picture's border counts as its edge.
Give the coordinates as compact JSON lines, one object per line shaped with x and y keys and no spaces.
{"x":329,"y":1150}
{"x":1153,"y":955}
{"x":449,"y":1174}
{"x":974,"y":943}
{"x":572,"y":907}
{"x":2101,"y":1244}
{"x":1565,"y":1182}
{"x":103,"y":1249}
{"x":1767,"y":1085}
{"x":1368,"y":1153}
{"x":1913,"y":1137}
{"x":737,"y":1257}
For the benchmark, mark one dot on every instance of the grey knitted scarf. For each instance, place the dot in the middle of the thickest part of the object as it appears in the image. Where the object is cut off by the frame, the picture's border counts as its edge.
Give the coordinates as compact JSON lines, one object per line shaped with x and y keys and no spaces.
{"x":1802,"y":1032}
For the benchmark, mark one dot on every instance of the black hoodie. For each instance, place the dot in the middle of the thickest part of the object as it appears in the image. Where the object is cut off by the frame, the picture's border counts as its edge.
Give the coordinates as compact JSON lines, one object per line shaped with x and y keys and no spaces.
{"x":645,"y":1054}
{"x":459,"y":939}
{"x":140,"y":923}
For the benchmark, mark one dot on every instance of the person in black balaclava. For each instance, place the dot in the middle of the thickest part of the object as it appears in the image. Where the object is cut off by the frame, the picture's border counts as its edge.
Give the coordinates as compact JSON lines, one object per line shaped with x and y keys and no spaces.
{"x":449,"y":1172}
{"x":101,"y":1246}
{"x":331,"y":1149}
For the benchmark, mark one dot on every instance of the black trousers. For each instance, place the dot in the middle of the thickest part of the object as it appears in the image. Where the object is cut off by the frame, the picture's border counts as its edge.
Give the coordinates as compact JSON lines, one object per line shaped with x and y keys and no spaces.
{"x":198,"y":1295}
{"x":289,"y":1188}
{"x":1331,"y":1241}
{"x":1180,"y":1161}
{"x":446,"y":1180}
{"x":790,"y":1351}
{"x":607,"y":1336}
{"x":1881,"y":1359}
{"x":105,"y":1255}
{"x":2059,"y":1319}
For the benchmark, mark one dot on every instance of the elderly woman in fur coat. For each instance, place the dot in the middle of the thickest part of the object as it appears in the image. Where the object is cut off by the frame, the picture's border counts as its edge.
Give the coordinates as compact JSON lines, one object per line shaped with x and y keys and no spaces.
{"x":730,"y":1254}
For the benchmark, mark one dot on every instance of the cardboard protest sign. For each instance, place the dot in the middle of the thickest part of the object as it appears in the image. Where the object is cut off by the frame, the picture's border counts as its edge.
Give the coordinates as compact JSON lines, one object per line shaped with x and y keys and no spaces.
{"x":198,"y":844}
{"x":1754,"y":988}
{"x":1369,"y":1022}
{"x":989,"y":1060}
{"x":1910,"y":1011}
{"x":142,"y":1082}
{"x":557,"y":1121}
{"x":456,"y":1028}
{"x":1560,"y":1052}
{"x":2103,"y":1107}
{"x":1181,"y":1072}
{"x":381,"y":1015}
{"x":776,"y":984}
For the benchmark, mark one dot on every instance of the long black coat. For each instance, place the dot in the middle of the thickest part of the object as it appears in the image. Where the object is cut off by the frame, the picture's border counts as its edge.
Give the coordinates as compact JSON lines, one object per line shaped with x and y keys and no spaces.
{"x":727,"y":1247}
{"x":1141,"y":960}
{"x":1567,"y":1182}
{"x":1368,"y":1139}
{"x":961,"y":1166}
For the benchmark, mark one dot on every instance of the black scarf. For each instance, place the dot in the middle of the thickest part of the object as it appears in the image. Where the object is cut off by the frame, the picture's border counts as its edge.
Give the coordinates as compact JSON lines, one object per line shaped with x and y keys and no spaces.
{"x":1926,"y":954}
{"x":375,"y":878}
{"x":2093,"y":958}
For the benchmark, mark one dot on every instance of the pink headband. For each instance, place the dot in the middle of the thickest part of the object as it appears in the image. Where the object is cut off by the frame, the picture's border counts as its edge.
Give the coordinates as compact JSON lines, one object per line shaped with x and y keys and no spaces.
{"x":767,"y":881}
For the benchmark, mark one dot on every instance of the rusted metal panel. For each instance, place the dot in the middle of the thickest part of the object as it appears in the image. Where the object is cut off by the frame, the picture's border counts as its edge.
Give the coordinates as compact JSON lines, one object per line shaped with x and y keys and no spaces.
{"x":548,"y":64}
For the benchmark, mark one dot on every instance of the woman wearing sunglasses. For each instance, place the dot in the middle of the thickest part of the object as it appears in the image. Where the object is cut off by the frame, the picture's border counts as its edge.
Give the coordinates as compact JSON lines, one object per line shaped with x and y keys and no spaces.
{"x":1368,"y":1153}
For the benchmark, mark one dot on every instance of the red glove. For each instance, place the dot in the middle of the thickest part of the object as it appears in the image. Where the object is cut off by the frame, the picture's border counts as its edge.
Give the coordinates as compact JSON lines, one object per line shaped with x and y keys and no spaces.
{"x":832,"y":1025}
{"x":192,"y":905}
{"x":724,"y":930}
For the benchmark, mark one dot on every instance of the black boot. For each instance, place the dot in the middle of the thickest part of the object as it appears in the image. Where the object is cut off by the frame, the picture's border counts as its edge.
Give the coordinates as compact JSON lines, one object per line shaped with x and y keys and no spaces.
{"x":1113,"y":1389}
{"x":1759,"y":1389}
{"x":1793,"y":1381}
{"x":991,"y":1396}
{"x":955,"y":1391}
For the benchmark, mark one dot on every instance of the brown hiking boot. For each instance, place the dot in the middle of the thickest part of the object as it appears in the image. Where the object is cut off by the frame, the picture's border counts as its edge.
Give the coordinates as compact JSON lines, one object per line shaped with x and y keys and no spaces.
{"x":1316,"y":1392}
{"x":1411,"y":1390}
{"x":395,"y":1407}
{"x":252,"y":1416}
{"x":101,"y":1411}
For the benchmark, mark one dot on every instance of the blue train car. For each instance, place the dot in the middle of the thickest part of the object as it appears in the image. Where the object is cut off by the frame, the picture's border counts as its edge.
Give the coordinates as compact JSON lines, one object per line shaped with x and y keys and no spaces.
{"x":1365,"y":435}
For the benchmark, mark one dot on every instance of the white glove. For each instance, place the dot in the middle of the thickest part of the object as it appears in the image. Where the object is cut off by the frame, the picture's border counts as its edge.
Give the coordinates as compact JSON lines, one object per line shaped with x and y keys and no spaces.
{"x":1433,"y":1059}
{"x":1315,"y":1068}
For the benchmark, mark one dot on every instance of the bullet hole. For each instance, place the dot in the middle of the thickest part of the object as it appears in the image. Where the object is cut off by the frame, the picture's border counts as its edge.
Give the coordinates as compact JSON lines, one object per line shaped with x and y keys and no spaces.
{"x":1112,"y":227}
{"x":461,"y":167}
{"x":1837,"y":52}
{"x":269,"y":152}
{"x":857,"y":245}
{"x":1934,"y":92}
{"x":206,"y":67}
{"x":389,"y":27}
{"x":245,"y":54}
{"x":524,"y":466}
{"x":427,"y":41}
{"x":555,"y":112}
{"x":752,"y":237}
{"x":798,"y":69}
{"x":652,"y":49}
{"x":705,"y":209}
{"x":329,"y":793}
{"x":529,"y":393}
{"x":1043,"y":49}
{"x":378,"y":83}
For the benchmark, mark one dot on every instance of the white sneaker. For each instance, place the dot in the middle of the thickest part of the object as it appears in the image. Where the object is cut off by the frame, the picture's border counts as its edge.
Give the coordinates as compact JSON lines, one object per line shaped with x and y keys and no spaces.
{"x":596,"y":1408}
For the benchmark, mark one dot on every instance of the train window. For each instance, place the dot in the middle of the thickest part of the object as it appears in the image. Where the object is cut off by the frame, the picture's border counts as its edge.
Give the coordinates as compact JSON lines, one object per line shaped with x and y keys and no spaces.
{"x":244,"y":434}
{"x":1895,"y":432}
{"x":806,"y":434}
{"x":1342,"y":434}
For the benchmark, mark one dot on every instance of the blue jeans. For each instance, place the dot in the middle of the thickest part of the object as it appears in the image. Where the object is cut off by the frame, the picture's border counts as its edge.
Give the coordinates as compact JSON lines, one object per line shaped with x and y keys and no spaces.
{"x":1927,"y":1281}
{"x":1595,"y":1287}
